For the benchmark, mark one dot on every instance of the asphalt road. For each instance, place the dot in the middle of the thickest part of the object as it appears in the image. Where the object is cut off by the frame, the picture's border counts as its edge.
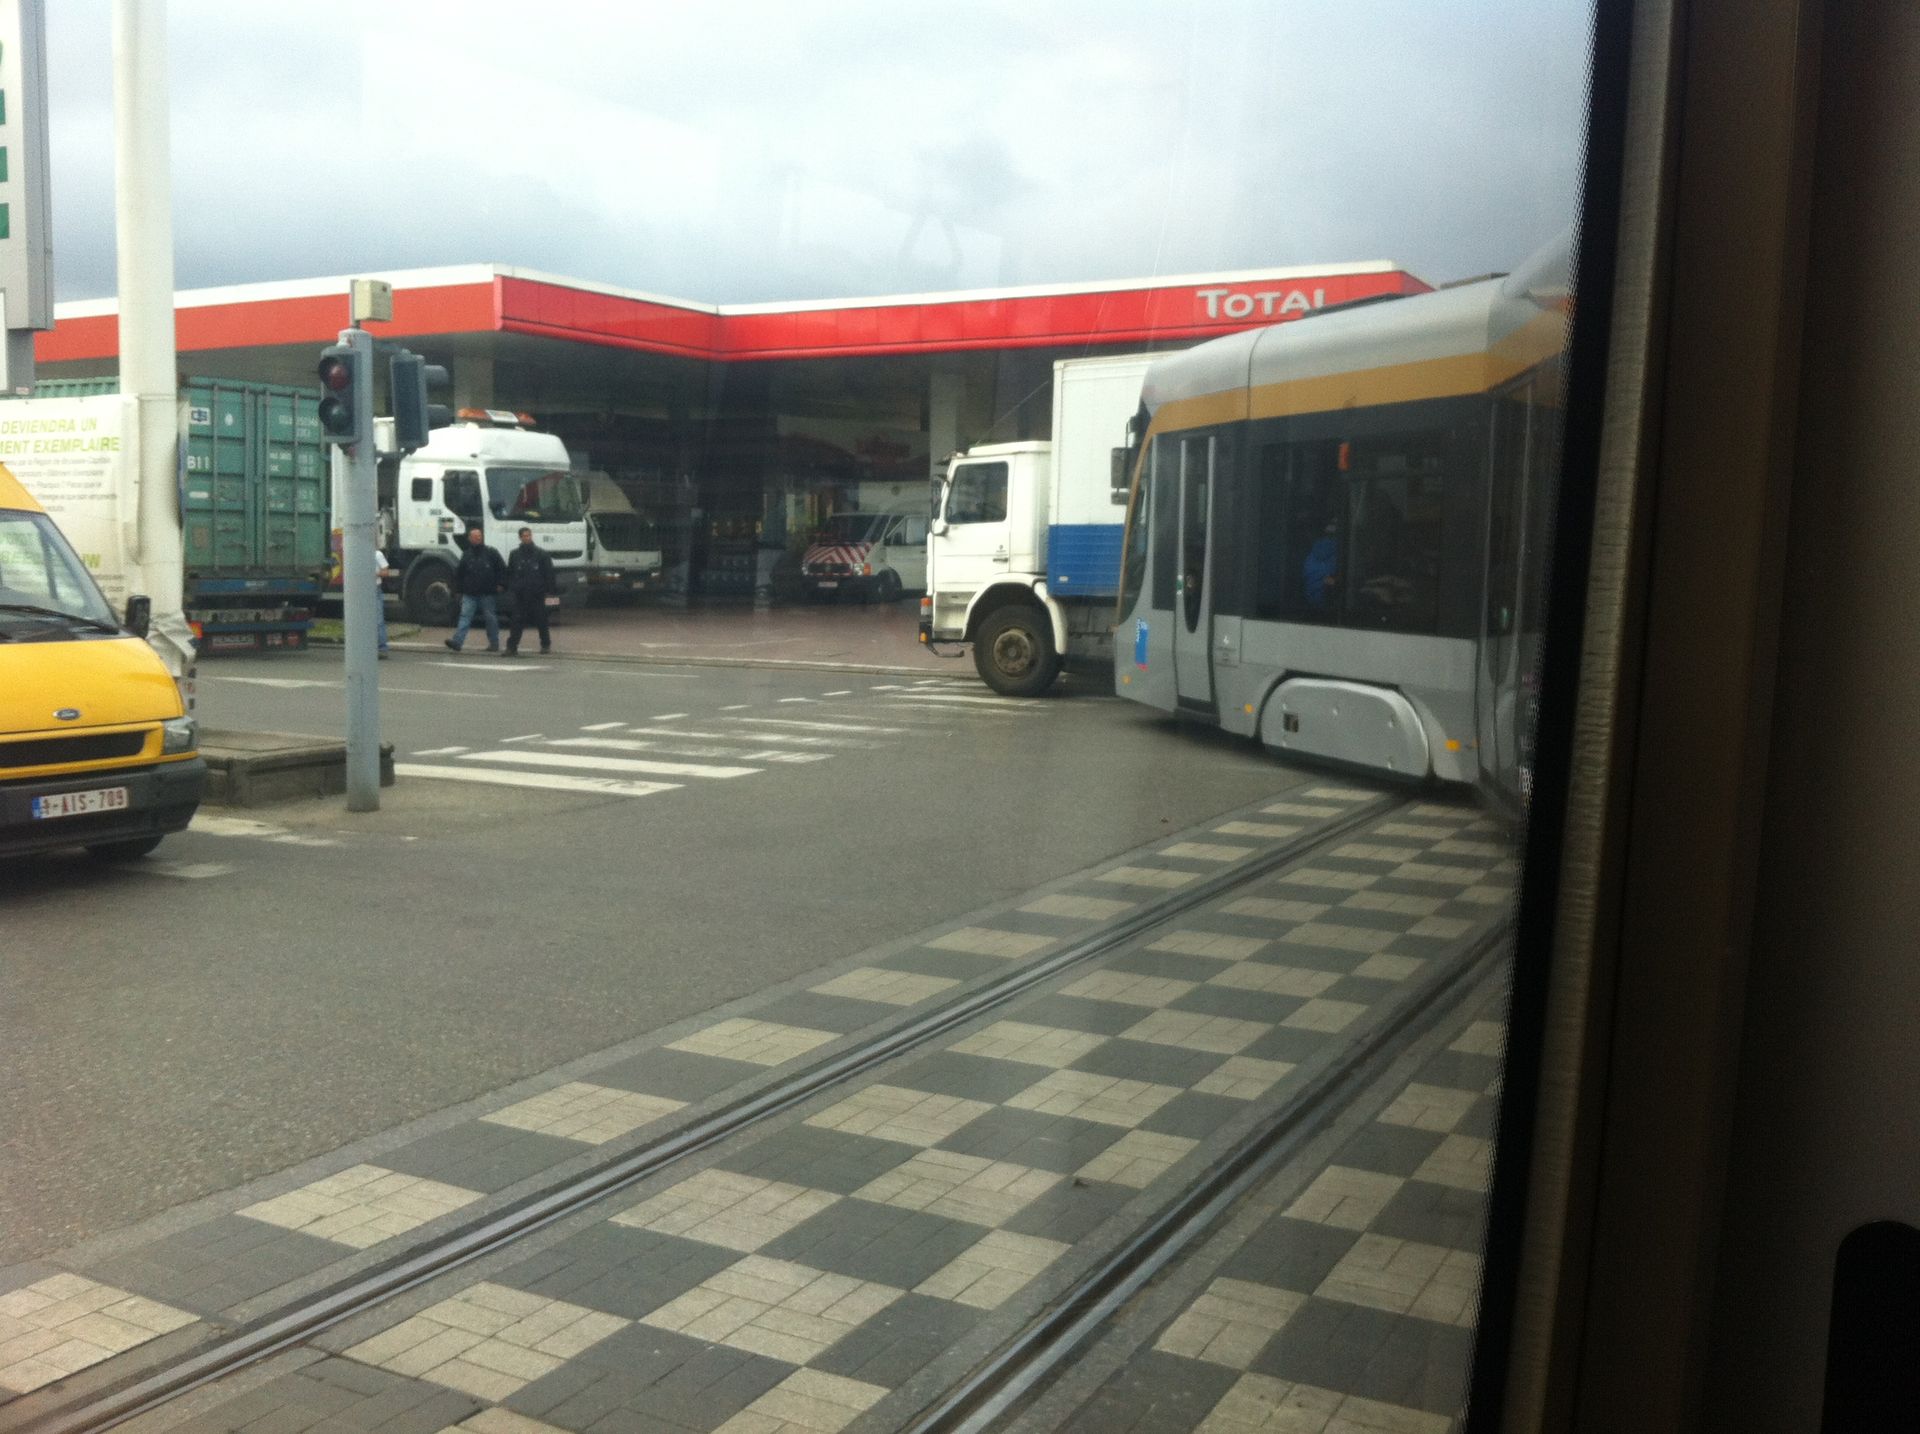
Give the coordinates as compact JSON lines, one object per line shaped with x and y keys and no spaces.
{"x":281,"y":981}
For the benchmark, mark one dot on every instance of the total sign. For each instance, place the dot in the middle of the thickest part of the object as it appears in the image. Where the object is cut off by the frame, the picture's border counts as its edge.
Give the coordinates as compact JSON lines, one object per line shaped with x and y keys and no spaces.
{"x":1268,"y":303}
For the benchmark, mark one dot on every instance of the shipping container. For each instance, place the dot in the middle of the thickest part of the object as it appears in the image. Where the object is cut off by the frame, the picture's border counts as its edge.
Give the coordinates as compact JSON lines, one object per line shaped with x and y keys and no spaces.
{"x":254,"y":496}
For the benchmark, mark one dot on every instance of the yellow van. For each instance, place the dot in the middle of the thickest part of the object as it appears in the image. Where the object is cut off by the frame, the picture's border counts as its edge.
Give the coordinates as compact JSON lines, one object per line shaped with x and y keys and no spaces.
{"x":96,"y":749}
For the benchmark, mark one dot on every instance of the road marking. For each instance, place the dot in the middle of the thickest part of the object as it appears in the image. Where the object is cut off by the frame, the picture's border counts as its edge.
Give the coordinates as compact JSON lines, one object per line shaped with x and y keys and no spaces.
{"x":182,"y":870}
{"x":963,"y":698}
{"x":497,"y":667}
{"x":286,"y":682}
{"x":815,"y":726}
{"x":437,"y":693}
{"x":674,"y":749}
{"x":737,"y":707}
{"x":543,"y":781}
{"x":600,"y":727}
{"x":664,"y":717}
{"x":843,"y":692}
{"x":796,"y":699}
{"x":442,"y":751}
{"x":927,"y":706}
{"x":796,"y":738}
{"x":530,"y":737}
{"x":610,"y":764}
{"x":209,"y":824}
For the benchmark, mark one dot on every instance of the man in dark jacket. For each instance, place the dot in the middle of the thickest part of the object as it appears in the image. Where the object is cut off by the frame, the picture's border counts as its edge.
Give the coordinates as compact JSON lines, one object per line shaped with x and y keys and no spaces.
{"x":530,"y":580}
{"x":481,"y":578}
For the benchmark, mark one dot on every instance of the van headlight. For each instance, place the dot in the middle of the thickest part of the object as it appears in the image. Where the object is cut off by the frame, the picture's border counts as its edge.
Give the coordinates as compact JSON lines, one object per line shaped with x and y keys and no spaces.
{"x":178,"y":734}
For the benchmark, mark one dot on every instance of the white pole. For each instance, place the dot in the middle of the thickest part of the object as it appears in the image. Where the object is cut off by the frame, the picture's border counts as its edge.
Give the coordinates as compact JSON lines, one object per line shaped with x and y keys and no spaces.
{"x":143,"y":229}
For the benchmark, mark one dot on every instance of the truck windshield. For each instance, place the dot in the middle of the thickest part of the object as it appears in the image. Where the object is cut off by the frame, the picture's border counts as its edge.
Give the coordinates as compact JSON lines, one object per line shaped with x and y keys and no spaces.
{"x":539,"y":495}
{"x":41,"y":577}
{"x":622,"y":532}
{"x":850,"y":528}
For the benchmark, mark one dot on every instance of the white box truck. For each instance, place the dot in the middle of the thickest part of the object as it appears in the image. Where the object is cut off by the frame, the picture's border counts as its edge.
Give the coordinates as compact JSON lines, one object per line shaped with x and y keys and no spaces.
{"x":623,"y":549}
{"x":1023,"y":557}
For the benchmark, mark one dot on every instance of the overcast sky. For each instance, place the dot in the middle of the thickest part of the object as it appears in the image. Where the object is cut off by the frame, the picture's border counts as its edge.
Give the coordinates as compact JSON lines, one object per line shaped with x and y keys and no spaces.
{"x":742,"y":150}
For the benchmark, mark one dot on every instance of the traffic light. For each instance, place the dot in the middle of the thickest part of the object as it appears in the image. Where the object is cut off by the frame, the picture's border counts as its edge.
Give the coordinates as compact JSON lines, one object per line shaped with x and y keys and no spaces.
{"x":346,"y":402}
{"x":411,"y":379}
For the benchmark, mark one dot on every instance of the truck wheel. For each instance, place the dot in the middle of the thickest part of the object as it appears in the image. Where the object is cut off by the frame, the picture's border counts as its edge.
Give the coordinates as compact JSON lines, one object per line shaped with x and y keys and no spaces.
{"x":431,"y":601}
{"x":886,"y":588}
{"x":1013,"y":652}
{"x":130,"y":850}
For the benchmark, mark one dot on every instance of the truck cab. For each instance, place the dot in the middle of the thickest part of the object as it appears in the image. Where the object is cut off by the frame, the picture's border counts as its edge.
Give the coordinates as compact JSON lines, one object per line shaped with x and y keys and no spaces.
{"x":489,"y":470}
{"x":623,"y":549}
{"x":96,"y":747}
{"x":986,"y":566}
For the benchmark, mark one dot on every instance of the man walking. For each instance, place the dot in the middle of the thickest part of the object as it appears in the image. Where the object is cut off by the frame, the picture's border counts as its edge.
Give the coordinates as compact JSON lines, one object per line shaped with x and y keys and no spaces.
{"x":481,"y":578}
{"x":530,"y":580}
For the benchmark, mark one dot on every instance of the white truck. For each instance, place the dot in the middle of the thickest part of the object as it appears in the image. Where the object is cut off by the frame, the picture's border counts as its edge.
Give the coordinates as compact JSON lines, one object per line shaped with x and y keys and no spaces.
{"x":623,"y":552}
{"x":1023,"y":556}
{"x":489,"y":469}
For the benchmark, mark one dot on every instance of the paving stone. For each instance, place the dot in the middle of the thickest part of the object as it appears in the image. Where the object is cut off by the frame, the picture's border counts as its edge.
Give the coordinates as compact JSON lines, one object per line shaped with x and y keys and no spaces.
{"x":1194,"y":1116}
{"x":217,"y":1264}
{"x":954,"y":965}
{"x":1289,"y":1254}
{"x":1168,"y":964}
{"x":970,"y":1077}
{"x":1153,"y":1393}
{"x":992,"y":1269}
{"x":1004,"y":944}
{"x":1482,"y":1118}
{"x":822,"y":1159}
{"x":1218,"y":1000}
{"x":480,"y":1155}
{"x":1288,"y":1043}
{"x":1076,"y":1013}
{"x":888,"y":987}
{"x":1070,"y":1211}
{"x":643,"y":1375}
{"x":882,"y":1244}
{"x":776,"y":1308}
{"x":1460,"y":1071}
{"x":961,"y":1187}
{"x":890,"y":1112}
{"x":1390,"y":1149}
{"x":1396,"y":1359}
{"x":745,"y":1038}
{"x":617,"y":1270}
{"x":824,"y":1013}
{"x":1044,"y":1142}
{"x":1145,"y":1060}
{"x":678,"y":1075}
{"x":362,"y":1206}
{"x":896,"y":1344}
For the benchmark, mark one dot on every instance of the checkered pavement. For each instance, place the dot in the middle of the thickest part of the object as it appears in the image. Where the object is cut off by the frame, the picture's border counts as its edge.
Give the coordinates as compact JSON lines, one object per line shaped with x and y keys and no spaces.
{"x":824,"y":1261}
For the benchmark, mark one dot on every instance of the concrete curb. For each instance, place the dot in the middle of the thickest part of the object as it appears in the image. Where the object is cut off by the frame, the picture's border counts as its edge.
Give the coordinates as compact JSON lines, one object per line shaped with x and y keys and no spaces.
{"x":254,"y":769}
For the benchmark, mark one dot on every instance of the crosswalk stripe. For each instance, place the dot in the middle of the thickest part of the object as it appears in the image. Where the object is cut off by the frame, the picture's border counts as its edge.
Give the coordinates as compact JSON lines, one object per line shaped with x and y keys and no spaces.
{"x":927,"y":706}
{"x":818,"y":726}
{"x":602,"y":726}
{"x":691,"y":749}
{"x":545,"y":781}
{"x":797,"y":739}
{"x":969,"y":698}
{"x":609,"y":764}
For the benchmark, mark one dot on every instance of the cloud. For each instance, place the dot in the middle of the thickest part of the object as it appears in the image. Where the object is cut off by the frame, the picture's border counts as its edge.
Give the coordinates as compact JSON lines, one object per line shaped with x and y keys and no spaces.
{"x":752,"y":150}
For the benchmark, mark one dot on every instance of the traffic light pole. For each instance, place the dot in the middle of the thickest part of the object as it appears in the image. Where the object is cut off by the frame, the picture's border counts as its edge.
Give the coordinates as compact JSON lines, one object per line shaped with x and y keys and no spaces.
{"x":360,"y":588}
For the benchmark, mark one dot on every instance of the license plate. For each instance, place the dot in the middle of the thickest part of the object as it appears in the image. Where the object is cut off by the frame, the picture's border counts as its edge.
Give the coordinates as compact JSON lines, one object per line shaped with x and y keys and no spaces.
{"x":80,"y":804}
{"x":827,"y":585}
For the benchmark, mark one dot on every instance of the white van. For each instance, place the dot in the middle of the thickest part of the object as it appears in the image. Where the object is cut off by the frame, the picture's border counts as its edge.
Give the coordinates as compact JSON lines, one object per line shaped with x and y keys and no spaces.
{"x":877,"y":556}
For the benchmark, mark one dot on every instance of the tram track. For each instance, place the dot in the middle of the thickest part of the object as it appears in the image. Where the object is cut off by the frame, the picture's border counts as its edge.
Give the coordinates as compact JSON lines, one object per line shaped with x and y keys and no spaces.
{"x":1026,"y":1361}
{"x":147,"y":1389}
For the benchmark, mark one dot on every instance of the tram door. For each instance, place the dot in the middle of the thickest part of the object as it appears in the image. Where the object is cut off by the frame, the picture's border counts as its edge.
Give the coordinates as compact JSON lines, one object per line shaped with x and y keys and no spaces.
{"x":1498,"y":696}
{"x":1194,"y":583}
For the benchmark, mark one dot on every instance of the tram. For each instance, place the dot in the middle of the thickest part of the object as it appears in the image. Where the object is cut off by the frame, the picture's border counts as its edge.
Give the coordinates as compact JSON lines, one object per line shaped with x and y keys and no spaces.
{"x":1337,"y":526}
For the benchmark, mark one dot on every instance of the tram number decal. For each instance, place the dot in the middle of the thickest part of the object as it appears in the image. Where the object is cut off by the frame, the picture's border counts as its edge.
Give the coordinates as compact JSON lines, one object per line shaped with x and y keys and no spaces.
{"x":1140,"y":642}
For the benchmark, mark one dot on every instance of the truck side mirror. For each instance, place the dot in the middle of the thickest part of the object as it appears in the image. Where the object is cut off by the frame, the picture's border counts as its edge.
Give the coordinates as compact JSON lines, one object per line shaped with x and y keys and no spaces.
{"x":139,"y":616}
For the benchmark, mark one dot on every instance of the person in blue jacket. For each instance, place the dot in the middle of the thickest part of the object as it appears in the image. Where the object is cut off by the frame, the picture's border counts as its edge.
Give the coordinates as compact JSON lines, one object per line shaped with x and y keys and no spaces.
{"x":1321,"y":571}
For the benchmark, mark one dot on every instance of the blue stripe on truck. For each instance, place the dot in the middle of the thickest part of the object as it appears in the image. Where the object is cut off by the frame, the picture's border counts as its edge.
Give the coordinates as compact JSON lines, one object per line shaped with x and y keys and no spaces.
{"x":1083,"y":559}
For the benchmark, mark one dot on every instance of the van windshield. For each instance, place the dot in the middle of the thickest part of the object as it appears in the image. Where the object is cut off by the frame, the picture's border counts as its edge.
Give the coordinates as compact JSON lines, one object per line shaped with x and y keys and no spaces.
{"x":40,"y":575}
{"x":540,"y":495}
{"x":851,"y":528}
